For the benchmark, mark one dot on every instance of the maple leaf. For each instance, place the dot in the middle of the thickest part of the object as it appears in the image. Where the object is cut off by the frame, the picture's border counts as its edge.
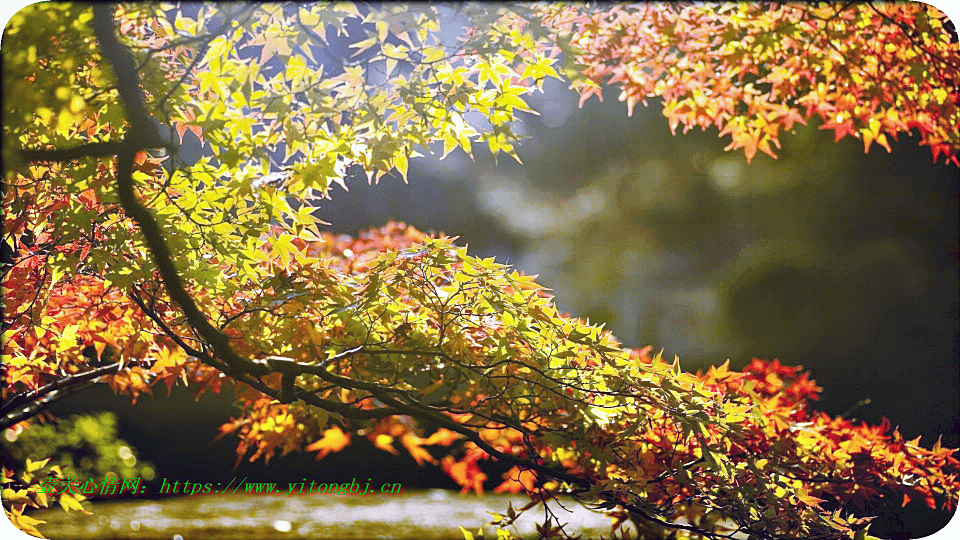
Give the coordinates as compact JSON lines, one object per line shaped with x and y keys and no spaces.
{"x":385,"y":442}
{"x":517,"y":480}
{"x":443,"y":437}
{"x":842,"y":125}
{"x":466,"y":473}
{"x":26,"y":524}
{"x":182,"y":128}
{"x":552,"y":388}
{"x":413,"y":444}
{"x":334,"y":440}
{"x":169,"y":365}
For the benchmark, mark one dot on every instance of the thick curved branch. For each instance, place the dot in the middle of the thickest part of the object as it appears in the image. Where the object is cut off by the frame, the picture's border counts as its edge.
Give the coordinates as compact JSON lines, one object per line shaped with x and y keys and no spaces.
{"x":290,"y":368}
{"x":128,"y":79}
{"x":143,"y":134}
{"x":331,"y":406}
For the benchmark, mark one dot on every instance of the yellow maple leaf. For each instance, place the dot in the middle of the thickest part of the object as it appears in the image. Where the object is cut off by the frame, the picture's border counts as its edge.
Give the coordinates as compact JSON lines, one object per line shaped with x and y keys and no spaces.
{"x":334,"y":440}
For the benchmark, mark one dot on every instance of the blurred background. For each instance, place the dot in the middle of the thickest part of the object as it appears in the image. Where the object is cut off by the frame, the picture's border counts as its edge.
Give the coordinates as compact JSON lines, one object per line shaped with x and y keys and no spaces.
{"x":842,"y":262}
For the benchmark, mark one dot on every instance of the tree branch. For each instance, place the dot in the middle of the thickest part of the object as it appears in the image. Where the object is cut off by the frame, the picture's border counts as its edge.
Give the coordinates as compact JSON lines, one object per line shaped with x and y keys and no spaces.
{"x":32,"y":396}
{"x":98,"y":149}
{"x":145,"y":135}
{"x":36,"y":407}
{"x":331,"y":406}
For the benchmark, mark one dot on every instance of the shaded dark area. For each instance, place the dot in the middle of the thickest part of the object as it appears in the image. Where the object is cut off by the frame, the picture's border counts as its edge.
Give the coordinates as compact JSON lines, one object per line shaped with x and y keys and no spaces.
{"x":177,"y":433}
{"x":840,"y":261}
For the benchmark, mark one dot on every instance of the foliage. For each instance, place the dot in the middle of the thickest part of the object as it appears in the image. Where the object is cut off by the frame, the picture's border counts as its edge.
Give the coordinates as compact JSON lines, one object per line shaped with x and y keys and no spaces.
{"x":26,"y":489}
{"x":754,"y":69}
{"x":130,"y":263}
{"x":80,"y":447}
{"x":83,"y":446}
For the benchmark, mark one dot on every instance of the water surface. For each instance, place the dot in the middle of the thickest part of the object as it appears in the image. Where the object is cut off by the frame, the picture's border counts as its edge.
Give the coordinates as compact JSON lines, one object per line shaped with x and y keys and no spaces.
{"x":421,"y":515}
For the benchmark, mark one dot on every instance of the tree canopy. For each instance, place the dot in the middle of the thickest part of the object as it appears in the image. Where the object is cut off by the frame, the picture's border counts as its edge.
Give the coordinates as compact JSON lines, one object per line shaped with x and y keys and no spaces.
{"x":129,"y":261}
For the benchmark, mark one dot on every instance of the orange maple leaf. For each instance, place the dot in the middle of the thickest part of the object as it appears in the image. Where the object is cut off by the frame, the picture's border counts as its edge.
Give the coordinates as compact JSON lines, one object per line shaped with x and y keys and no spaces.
{"x":517,"y":481}
{"x":334,"y":440}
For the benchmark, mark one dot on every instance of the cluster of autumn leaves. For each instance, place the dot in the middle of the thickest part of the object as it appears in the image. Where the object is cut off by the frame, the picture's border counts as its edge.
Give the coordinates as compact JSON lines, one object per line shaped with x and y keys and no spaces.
{"x":755,"y":69}
{"x":405,"y":338}
{"x":639,"y":432}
